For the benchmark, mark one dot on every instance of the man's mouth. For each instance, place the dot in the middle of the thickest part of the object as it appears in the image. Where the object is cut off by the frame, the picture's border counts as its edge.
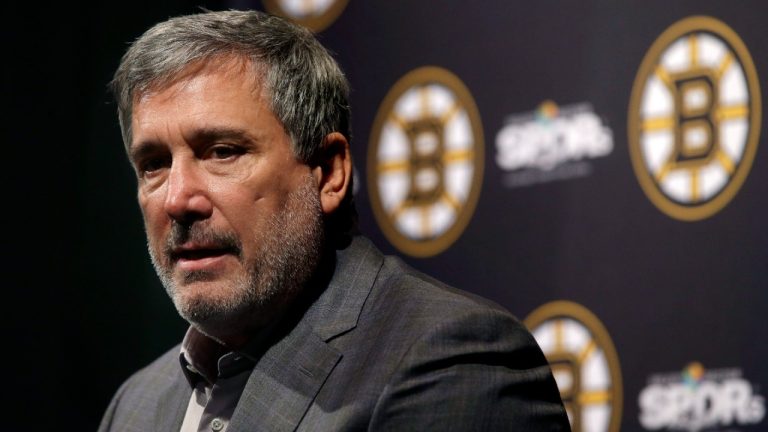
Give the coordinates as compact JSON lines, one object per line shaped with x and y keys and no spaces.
{"x":195,"y":257}
{"x":200,"y":253}
{"x":199,"y":248}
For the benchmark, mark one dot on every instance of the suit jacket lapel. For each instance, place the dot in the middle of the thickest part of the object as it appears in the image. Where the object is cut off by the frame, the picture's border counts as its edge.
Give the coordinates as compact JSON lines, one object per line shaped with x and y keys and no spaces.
{"x":284,"y":383}
{"x":338,"y":308}
{"x":171,"y":417}
{"x":164,"y":402}
{"x":291,"y":372}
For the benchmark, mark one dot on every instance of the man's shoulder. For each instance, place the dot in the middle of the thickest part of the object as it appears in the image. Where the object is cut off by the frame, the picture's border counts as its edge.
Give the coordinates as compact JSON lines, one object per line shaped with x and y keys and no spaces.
{"x":396,"y":281}
{"x":152,"y":396}
{"x":427,"y":353}
{"x":411,"y":308}
{"x":413,"y":293}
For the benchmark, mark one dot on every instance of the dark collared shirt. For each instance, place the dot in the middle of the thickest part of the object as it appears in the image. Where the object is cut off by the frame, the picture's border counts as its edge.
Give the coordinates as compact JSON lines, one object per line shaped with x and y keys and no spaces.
{"x":217,"y":377}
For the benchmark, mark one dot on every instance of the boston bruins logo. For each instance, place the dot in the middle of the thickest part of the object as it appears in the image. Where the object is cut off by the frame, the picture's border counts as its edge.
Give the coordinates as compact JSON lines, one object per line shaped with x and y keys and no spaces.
{"x":425,"y":161}
{"x":694,"y":118}
{"x":584,"y":363}
{"x":313,"y":14}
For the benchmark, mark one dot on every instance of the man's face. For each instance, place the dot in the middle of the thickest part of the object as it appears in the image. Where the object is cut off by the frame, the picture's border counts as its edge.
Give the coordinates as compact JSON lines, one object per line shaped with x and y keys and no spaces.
{"x":233,"y":220}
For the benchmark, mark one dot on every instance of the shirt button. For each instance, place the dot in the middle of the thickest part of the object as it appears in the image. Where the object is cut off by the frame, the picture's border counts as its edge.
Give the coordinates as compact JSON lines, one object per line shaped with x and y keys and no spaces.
{"x":217,"y":425}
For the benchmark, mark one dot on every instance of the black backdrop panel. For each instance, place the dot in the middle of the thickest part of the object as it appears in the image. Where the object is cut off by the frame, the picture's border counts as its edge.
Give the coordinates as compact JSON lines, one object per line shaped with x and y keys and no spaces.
{"x":673,"y":295}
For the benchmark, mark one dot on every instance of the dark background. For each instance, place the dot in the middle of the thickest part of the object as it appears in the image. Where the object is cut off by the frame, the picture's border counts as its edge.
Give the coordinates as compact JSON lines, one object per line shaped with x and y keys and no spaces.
{"x":85,"y":308}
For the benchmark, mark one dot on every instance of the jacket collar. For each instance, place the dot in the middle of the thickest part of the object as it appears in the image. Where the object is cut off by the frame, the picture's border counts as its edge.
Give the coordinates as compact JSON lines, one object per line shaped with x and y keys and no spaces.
{"x":338,"y":308}
{"x":292,"y":370}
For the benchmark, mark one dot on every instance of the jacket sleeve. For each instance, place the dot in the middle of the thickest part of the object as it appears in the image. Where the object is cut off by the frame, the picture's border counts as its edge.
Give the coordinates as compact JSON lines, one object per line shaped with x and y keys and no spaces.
{"x":109,"y":414}
{"x":481,"y":371}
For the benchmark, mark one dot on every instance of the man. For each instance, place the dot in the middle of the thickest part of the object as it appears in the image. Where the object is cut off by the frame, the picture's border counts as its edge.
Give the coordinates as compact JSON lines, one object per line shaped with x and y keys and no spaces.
{"x":236,"y":124}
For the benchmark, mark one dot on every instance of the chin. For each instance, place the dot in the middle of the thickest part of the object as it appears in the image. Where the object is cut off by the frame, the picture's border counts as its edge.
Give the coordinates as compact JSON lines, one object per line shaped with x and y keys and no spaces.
{"x":212,"y":305}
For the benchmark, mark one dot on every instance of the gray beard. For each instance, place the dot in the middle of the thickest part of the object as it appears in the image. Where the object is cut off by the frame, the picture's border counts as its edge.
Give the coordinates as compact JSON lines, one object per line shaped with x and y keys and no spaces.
{"x":287,"y":257}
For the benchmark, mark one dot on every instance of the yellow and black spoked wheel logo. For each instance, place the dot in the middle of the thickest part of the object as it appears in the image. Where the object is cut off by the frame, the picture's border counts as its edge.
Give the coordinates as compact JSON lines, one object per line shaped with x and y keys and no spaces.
{"x":584,"y":363}
{"x":694,"y":118}
{"x":316,"y":15}
{"x":425,"y":161}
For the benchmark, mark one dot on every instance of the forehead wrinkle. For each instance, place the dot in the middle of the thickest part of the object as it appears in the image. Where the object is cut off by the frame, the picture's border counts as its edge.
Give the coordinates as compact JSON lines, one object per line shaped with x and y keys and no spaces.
{"x":236,"y":69}
{"x":229,"y":66}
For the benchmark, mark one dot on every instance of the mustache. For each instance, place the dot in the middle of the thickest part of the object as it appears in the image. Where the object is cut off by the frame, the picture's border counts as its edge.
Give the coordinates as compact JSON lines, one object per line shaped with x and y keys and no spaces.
{"x":201,"y":233}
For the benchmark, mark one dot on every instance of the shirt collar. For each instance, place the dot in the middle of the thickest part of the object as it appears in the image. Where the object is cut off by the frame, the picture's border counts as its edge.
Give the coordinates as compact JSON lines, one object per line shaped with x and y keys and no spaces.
{"x":204,"y":358}
{"x":199,"y":356}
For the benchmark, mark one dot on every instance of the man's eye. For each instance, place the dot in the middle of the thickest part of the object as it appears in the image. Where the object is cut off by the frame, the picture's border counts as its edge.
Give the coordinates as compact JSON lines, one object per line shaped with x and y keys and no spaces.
{"x":152,"y":166}
{"x":224,"y":152}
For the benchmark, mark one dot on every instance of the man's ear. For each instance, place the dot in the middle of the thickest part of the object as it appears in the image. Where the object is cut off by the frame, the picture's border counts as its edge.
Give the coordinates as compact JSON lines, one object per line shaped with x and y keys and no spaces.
{"x":333,"y":171}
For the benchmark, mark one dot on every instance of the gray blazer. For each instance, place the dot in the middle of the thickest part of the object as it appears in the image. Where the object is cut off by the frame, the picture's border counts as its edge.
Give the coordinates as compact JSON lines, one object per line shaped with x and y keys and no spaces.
{"x":383,"y":347}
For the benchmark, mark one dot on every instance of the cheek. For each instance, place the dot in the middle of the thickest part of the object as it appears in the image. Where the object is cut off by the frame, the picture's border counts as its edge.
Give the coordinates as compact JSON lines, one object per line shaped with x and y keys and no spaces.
{"x":247,"y":212}
{"x":241,"y":200}
{"x":145,"y":204}
{"x":239,"y":212}
{"x":155,"y":219}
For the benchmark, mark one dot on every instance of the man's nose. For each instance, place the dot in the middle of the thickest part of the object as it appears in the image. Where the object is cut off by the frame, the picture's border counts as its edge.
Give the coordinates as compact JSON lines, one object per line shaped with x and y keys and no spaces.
{"x":187,"y":198}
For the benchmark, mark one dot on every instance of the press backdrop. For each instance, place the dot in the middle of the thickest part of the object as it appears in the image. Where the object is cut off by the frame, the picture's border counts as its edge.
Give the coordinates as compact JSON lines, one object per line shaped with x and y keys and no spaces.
{"x":596,"y":167}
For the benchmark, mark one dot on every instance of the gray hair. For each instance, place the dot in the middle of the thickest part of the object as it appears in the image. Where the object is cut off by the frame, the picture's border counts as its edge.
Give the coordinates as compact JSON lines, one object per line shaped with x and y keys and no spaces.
{"x":306,"y":88}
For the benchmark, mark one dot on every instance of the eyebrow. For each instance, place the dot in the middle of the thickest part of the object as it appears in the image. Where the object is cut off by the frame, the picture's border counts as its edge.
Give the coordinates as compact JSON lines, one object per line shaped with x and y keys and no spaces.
{"x":209,"y":134}
{"x":202,"y":135}
{"x":142,"y":149}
